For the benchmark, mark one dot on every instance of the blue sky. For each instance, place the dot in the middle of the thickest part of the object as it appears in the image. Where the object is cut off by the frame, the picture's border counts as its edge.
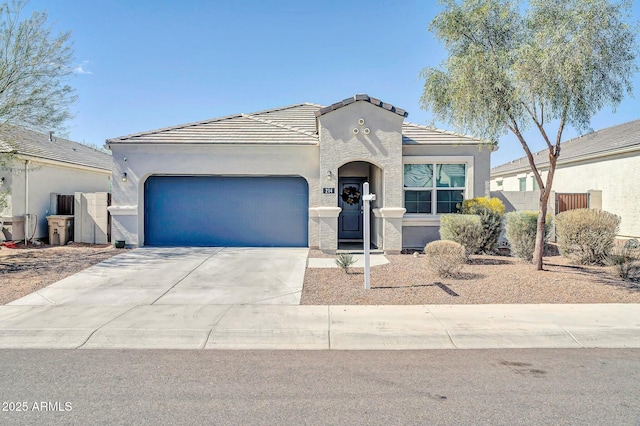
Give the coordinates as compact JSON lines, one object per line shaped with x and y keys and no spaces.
{"x":144,"y":65}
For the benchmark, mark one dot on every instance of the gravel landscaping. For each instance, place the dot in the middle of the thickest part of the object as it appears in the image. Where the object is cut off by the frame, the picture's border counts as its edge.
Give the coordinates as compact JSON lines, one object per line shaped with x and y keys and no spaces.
{"x":406,"y":280}
{"x":25,"y":270}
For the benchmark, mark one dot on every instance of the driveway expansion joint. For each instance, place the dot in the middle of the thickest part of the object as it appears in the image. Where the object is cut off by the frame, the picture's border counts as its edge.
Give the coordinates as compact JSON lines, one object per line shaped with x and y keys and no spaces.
{"x":575,"y":339}
{"x":204,"y":345}
{"x":451,"y":339}
{"x":185,"y":277}
{"x":105,"y":324}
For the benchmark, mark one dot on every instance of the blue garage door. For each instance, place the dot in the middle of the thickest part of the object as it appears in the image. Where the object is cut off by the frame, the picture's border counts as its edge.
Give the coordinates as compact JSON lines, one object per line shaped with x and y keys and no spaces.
{"x":226,"y":211}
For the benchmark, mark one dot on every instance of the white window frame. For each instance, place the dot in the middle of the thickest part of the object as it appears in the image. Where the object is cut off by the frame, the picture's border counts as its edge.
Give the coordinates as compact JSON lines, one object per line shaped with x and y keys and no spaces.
{"x":425,"y":219}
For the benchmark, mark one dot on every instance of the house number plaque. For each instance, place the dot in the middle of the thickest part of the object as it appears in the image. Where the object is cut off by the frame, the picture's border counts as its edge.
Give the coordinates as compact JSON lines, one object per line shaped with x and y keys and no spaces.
{"x":328,"y":190}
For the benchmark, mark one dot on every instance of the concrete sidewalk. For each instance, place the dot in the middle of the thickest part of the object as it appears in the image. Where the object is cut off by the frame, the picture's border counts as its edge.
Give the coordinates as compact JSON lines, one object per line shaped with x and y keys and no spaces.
{"x":320,"y":327}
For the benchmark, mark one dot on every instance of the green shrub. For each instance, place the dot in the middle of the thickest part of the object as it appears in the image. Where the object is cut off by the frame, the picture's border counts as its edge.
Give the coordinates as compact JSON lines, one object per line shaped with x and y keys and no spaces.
{"x":345,"y":261}
{"x":464,"y":229}
{"x":520,"y":231}
{"x":626,"y":263}
{"x":586,"y":236}
{"x":490,"y":211}
{"x":445,"y":258}
{"x":632,"y":244}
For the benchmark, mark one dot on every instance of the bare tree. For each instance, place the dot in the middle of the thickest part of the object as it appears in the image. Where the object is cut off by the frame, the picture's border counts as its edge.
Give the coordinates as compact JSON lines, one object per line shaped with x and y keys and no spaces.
{"x":34,"y":66}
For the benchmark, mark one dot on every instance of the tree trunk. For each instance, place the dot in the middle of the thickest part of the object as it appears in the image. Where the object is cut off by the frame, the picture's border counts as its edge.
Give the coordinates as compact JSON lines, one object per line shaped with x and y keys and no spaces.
{"x":538,"y":251}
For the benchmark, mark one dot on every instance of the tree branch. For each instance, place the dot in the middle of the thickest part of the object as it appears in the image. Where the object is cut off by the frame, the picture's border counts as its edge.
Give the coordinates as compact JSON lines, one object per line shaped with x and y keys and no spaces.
{"x":513,"y":126}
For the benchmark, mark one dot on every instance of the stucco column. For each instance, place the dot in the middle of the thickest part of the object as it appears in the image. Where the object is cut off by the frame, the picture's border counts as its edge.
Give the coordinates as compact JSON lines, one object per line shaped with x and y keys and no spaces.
{"x":328,"y":232}
{"x":314,"y":227}
{"x":124,"y":224}
{"x":392,"y":228}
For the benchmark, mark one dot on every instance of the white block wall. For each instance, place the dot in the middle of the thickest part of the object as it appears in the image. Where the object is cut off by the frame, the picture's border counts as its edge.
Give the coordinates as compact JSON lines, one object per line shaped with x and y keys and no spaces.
{"x":90,"y":218}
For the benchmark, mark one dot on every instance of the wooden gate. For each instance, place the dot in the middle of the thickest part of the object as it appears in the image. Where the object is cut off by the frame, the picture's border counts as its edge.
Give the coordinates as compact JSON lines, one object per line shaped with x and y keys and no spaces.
{"x":65,"y":204}
{"x":573,"y":201}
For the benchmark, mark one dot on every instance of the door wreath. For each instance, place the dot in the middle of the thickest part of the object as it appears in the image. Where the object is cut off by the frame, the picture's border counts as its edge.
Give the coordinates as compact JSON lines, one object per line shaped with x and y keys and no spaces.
{"x":350,"y":195}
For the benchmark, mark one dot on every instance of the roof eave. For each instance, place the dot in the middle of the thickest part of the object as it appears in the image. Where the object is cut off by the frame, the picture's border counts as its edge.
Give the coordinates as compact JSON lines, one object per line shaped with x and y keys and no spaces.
{"x":45,"y":160}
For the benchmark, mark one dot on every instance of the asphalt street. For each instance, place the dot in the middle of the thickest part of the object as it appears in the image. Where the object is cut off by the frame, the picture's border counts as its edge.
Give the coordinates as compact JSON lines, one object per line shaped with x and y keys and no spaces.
{"x":497,"y":387}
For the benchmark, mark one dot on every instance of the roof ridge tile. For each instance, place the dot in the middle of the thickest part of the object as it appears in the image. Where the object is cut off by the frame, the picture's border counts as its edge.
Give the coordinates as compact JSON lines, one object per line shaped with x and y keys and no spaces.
{"x":282,"y":108}
{"x":365,"y":98}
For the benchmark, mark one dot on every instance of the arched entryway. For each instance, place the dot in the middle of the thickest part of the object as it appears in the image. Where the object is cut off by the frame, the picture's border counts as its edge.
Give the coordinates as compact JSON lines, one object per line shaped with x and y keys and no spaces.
{"x":351,"y":178}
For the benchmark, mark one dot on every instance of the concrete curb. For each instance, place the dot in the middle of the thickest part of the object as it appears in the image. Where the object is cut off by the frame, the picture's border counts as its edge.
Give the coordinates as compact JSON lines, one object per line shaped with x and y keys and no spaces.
{"x":320,"y":327}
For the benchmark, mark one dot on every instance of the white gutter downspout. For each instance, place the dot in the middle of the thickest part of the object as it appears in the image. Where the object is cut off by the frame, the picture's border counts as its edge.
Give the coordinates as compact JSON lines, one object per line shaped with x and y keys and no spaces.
{"x":26,"y":201}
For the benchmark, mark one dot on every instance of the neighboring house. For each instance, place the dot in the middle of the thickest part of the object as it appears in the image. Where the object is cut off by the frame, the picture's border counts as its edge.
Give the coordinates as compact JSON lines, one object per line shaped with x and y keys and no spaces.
{"x":606,"y":162}
{"x":33,"y":166}
{"x":293,"y":176}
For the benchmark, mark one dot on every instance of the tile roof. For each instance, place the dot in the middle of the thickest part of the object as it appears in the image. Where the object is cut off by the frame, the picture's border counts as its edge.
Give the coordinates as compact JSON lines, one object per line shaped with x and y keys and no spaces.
{"x":415,"y":134}
{"x":294,"y":124}
{"x":28,"y":143}
{"x":362,"y":97}
{"x":299,"y":116}
{"x":596,"y":144}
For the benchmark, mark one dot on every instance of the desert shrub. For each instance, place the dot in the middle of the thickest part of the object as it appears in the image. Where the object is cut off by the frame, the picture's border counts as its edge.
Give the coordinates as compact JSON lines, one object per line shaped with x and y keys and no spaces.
{"x":490,"y":211}
{"x":445,"y":258}
{"x":464,"y":229}
{"x":632,"y":244}
{"x":626,"y":263}
{"x":520,"y":230}
{"x":345,"y":261}
{"x":493,"y":204}
{"x":586,"y":236}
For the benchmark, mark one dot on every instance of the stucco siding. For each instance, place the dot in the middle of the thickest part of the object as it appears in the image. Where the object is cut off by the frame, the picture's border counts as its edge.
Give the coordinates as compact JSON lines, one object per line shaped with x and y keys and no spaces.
{"x":420,"y":229}
{"x":344,"y":140}
{"x":381,"y":147}
{"x":481,"y":161}
{"x":618,"y":180}
{"x":44,"y":179}
{"x":143,"y":161}
{"x":616,"y":177}
{"x":419,"y":236}
{"x":359,"y":137}
{"x":512,"y":183}
{"x":5,"y":188}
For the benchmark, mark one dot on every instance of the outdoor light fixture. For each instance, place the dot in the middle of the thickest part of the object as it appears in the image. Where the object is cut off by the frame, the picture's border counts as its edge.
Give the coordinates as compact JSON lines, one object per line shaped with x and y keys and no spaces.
{"x":361,"y":121}
{"x":329,"y":175}
{"x":124,"y":177}
{"x":2,"y":181}
{"x":366,"y":131}
{"x":355,"y":131}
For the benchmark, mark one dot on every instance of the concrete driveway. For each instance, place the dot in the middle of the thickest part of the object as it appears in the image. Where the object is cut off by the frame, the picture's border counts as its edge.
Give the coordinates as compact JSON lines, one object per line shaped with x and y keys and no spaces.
{"x":183,"y":276}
